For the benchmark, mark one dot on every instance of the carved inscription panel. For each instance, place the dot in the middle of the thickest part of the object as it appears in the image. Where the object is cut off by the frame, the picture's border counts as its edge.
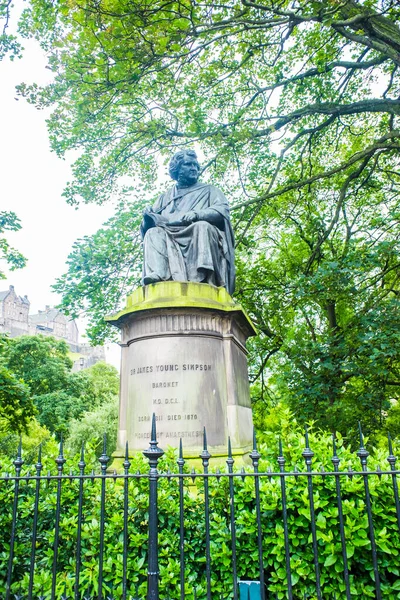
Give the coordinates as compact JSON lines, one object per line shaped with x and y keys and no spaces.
{"x":183,"y":381}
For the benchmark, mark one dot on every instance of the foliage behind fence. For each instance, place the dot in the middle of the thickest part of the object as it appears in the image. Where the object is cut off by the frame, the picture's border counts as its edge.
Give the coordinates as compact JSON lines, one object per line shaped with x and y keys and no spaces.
{"x":74,"y":535}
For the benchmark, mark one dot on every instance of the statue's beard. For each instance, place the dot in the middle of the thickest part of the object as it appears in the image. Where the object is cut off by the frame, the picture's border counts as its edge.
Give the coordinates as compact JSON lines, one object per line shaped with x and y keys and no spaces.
{"x":187,"y":181}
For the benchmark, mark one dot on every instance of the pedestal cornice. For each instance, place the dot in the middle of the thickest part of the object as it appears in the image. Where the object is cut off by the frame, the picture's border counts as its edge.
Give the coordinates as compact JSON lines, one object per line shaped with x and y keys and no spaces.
{"x":175,"y":294}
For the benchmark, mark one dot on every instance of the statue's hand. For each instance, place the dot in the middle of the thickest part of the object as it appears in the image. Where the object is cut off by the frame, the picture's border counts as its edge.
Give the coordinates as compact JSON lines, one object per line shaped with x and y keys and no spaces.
{"x":189,"y":217}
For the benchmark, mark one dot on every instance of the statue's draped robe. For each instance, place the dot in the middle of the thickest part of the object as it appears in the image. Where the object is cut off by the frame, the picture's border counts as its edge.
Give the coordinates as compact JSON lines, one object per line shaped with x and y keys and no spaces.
{"x":202,"y":251}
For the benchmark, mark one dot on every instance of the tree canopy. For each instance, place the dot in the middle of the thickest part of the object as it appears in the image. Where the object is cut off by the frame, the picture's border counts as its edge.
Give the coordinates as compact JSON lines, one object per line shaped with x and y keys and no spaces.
{"x":41,"y":361}
{"x":36,"y":378}
{"x":263,"y":88}
{"x":15,"y":402}
{"x":295,"y":107}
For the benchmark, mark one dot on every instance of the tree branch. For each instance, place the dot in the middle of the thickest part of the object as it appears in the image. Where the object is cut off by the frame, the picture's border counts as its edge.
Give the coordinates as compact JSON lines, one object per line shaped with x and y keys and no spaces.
{"x":381,"y":144}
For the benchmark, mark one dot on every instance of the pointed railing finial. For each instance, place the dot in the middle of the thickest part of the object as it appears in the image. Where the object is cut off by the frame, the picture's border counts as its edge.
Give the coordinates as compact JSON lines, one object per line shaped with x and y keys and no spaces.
{"x":281,"y":458}
{"x":307,"y":452}
{"x":39,"y":465}
{"x":361,"y":436}
{"x":103,"y":458}
{"x":18,"y":462}
{"x":335,"y":458}
{"x":60,"y":460}
{"x":180,"y":460}
{"x":391,"y":458}
{"x":205,"y":455}
{"x":153,"y":453}
{"x":254,"y":454}
{"x":230,"y":461}
{"x":126,"y":464}
{"x":306,"y":436}
{"x":153,"y":428}
{"x":390,"y":444}
{"x":363,"y":452}
{"x":82,"y":463}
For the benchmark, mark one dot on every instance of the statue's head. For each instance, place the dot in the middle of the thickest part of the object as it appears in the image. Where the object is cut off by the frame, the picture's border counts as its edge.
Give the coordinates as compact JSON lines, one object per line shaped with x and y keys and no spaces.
{"x":186,"y":158}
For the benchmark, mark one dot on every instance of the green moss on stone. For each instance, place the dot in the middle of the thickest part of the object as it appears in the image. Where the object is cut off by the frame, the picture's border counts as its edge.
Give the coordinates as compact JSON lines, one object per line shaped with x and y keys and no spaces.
{"x":177,"y":294}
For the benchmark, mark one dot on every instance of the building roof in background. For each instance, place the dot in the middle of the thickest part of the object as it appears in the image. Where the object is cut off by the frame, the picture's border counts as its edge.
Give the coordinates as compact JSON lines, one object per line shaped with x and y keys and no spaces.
{"x":45,"y":316}
{"x":23,"y":299}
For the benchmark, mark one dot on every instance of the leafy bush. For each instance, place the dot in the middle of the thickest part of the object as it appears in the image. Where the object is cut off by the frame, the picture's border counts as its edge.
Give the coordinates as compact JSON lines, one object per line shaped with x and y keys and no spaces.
{"x":90,"y":428}
{"x":36,"y":435}
{"x":36,"y":378}
{"x":303,"y":575}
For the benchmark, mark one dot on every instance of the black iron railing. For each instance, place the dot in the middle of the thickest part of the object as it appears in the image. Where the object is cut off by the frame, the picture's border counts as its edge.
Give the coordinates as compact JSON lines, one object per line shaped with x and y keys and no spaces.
{"x":187,"y":534}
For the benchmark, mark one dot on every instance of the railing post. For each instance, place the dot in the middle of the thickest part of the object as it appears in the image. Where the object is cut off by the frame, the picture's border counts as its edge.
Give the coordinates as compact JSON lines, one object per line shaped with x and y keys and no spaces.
{"x":205,"y":459}
{"x":39,"y":468}
{"x":336,"y":461}
{"x":363,"y":456}
{"x":60,"y":461}
{"x":230,"y":462}
{"x":18,"y":462}
{"x":81,"y":466}
{"x":103,"y":460}
{"x":153,"y":454}
{"x":255,"y":459}
{"x":281,"y":463}
{"x":126,"y":465}
{"x":308,"y":456}
{"x":181,"y":463}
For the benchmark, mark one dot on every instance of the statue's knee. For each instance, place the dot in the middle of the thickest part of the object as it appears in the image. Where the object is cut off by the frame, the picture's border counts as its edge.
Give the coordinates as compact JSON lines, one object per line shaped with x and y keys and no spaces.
{"x":204,"y":227}
{"x":154,"y":235}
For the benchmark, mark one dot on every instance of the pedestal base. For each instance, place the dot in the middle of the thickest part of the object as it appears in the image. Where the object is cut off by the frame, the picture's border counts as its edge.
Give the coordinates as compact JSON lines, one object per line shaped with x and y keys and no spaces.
{"x":184,"y":359}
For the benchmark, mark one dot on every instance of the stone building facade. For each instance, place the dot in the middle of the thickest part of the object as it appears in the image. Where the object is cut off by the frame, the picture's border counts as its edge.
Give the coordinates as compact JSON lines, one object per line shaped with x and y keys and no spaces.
{"x":52,"y":321}
{"x":15,"y":320}
{"x":14,"y":313}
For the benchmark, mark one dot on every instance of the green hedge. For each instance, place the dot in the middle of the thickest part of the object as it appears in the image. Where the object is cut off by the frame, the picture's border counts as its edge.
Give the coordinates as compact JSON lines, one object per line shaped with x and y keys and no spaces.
{"x":303,"y":575}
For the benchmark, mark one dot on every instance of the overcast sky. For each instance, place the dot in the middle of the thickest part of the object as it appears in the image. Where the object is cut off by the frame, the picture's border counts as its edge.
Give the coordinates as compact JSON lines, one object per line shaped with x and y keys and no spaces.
{"x":31,"y":184}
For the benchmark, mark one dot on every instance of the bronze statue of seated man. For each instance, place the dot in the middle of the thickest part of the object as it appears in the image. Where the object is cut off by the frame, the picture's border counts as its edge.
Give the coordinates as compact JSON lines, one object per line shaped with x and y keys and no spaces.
{"x":187,"y":234}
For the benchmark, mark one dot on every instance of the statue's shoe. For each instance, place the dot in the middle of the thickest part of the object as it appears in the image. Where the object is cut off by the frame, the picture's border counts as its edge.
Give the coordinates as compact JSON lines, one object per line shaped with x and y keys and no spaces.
{"x":148,"y":280}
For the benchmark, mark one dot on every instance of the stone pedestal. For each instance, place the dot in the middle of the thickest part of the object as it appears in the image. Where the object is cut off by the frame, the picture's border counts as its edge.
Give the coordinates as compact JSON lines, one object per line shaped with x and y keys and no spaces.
{"x":184,"y":358}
